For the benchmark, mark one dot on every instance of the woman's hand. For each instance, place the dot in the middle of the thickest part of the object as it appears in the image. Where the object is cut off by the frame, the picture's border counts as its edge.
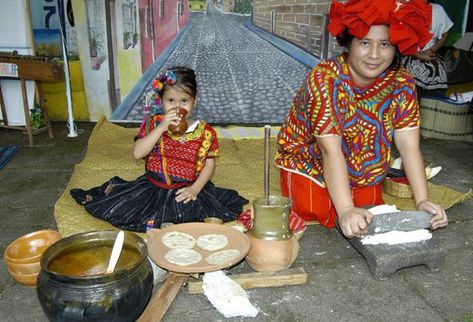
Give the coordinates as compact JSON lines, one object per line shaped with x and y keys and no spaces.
{"x":439,"y":218}
{"x":354,"y":221}
{"x":186,"y":194}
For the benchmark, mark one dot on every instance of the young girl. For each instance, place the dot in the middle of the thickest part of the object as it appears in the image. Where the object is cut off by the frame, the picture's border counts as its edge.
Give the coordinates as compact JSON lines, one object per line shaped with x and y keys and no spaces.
{"x":176,"y":186}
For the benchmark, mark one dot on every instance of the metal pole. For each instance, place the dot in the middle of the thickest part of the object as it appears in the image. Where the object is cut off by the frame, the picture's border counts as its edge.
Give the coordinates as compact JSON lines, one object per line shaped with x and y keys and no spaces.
{"x":70,"y":117}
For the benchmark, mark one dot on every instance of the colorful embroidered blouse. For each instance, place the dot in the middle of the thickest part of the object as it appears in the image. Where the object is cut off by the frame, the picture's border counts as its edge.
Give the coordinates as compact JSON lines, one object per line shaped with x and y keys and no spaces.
{"x":179,"y":159}
{"x":365,"y":118}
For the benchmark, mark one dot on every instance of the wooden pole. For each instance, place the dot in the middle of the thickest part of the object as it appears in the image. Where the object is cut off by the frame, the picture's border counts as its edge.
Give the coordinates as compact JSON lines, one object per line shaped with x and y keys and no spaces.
{"x":165,"y":295}
{"x":291,"y":276}
{"x":267,"y":137}
{"x":24,"y":95}
{"x":2,"y":106}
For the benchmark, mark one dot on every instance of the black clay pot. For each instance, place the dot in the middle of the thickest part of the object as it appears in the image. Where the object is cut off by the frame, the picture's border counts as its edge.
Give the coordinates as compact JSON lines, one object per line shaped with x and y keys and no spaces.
{"x":119,"y":296}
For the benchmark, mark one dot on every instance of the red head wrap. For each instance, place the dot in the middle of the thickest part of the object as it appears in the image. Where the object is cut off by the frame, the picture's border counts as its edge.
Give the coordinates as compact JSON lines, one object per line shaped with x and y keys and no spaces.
{"x":408,"y":20}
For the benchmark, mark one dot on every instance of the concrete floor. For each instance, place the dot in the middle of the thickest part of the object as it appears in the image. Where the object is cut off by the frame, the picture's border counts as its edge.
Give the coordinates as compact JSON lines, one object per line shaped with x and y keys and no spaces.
{"x":339,"y":287}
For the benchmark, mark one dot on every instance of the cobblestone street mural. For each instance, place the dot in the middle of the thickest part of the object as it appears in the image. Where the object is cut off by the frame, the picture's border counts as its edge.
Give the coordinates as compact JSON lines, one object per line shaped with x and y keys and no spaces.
{"x":242,"y":78}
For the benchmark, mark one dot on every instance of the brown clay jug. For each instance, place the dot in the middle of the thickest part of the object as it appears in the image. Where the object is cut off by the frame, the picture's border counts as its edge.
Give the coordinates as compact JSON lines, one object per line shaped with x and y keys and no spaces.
{"x":272,"y":246}
{"x":181,"y":128}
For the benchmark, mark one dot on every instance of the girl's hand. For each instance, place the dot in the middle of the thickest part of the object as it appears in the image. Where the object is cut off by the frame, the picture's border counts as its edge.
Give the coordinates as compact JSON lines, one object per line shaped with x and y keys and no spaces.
{"x":439,"y":218}
{"x":186,"y":194}
{"x":170,"y":117}
{"x":354,"y":221}
{"x":427,"y":55}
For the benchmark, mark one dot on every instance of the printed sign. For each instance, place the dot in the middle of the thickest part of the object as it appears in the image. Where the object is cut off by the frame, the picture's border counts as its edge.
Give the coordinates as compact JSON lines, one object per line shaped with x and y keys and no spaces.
{"x":8,"y":70}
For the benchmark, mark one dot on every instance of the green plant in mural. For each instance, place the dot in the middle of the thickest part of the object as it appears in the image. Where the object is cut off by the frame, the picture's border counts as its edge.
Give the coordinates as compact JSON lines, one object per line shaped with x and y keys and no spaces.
{"x":94,"y":44}
{"x":242,"y":6}
{"x":135,"y":39}
{"x":127,"y":39}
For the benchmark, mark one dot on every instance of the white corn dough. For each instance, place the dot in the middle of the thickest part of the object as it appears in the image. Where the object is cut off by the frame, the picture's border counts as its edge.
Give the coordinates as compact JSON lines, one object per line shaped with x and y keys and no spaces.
{"x":396,"y":237}
{"x":227,"y":296}
{"x":383,"y":209}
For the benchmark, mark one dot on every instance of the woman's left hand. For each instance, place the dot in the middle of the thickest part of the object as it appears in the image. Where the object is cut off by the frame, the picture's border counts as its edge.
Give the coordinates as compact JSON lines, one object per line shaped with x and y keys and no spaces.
{"x":439,"y":218}
{"x":186,"y":194}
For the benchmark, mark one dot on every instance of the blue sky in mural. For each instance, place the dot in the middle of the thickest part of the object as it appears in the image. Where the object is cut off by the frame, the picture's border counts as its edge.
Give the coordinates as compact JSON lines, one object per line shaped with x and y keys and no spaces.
{"x":47,"y":42}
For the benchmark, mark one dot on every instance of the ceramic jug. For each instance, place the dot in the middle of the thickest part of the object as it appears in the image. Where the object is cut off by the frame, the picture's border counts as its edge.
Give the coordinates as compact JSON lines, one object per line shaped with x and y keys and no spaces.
{"x":272,"y":246}
{"x":181,"y":127}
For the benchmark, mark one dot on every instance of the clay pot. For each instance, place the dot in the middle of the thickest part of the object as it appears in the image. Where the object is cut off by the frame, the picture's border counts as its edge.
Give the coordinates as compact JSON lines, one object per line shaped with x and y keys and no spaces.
{"x":272,"y":255}
{"x":272,"y":246}
{"x":118,"y":296}
{"x":181,"y":128}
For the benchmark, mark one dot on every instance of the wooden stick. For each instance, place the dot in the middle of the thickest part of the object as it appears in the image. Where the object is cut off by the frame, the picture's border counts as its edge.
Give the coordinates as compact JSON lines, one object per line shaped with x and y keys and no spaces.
{"x":24,"y":95}
{"x":162,"y":299}
{"x":3,"y":107}
{"x":292,"y":276}
{"x":267,"y":137}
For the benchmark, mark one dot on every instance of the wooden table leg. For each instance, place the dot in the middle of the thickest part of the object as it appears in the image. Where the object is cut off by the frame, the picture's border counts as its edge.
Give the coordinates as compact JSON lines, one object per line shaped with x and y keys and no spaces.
{"x":162,"y":299}
{"x":3,"y":107}
{"x":24,"y":95}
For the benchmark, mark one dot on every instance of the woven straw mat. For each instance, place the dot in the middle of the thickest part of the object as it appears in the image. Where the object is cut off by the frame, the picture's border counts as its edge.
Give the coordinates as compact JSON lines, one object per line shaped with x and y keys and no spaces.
{"x":240,"y":167}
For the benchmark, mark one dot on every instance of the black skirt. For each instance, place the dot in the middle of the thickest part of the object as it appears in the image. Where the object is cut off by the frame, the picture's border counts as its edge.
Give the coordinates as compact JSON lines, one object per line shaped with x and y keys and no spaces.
{"x":132,"y":204}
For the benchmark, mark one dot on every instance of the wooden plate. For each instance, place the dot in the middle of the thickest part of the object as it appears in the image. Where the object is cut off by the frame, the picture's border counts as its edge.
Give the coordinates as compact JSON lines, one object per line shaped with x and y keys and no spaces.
{"x":236,"y":240}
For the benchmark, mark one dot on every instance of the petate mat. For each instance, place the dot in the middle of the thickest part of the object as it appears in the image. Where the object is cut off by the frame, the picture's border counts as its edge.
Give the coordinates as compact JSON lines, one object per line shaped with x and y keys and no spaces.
{"x":239,"y":166}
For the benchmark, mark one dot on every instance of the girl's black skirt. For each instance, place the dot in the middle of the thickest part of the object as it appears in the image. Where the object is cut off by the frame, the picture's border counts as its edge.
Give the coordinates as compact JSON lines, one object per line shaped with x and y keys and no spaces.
{"x":133,"y":205}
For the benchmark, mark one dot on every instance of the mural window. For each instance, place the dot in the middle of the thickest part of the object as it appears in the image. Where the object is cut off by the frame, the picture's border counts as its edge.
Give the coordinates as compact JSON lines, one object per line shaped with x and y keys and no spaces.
{"x":179,"y":9}
{"x":95,"y":15}
{"x":129,"y":24}
{"x":161,"y":8}
{"x":149,"y":21}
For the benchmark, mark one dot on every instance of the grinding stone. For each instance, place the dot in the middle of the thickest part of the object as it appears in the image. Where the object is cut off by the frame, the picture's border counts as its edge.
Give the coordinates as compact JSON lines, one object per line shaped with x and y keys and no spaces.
{"x":383,"y":260}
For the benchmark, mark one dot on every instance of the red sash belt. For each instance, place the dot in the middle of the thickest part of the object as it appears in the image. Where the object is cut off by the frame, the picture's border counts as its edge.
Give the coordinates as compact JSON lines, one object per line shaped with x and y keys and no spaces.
{"x":160,"y":184}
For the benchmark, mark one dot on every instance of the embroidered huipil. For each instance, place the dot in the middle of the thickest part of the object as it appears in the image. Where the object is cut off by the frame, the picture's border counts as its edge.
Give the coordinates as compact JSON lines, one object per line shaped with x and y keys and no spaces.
{"x":365,"y":119}
{"x":179,"y":159}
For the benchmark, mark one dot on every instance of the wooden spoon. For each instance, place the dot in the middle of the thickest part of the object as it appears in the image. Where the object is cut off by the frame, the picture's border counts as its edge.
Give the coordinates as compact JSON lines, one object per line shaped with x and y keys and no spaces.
{"x":116,"y":251}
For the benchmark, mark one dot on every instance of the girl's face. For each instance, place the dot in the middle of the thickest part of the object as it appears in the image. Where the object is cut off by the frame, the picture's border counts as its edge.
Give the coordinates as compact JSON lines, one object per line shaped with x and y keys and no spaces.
{"x":370,"y":56}
{"x":174,"y":97}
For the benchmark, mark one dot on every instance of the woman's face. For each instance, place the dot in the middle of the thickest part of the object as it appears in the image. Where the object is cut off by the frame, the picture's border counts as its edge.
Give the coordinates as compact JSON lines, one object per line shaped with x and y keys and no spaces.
{"x":175,"y":97}
{"x":370,"y":56}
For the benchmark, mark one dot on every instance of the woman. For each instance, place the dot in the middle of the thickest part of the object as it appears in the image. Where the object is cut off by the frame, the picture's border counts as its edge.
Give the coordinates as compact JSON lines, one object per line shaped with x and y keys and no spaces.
{"x":334,"y":146}
{"x":427,"y":68}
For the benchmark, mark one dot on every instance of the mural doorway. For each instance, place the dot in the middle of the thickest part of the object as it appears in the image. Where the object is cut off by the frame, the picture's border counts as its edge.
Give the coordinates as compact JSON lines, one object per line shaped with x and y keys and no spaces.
{"x":112,"y":51}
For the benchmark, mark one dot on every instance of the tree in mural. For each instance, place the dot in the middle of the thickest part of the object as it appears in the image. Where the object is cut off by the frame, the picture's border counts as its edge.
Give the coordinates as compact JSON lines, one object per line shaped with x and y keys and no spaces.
{"x":242,"y":6}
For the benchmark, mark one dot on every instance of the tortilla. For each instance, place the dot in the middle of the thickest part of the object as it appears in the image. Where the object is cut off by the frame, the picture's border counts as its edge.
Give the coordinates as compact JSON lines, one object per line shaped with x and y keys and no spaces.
{"x":212,"y":242}
{"x":222,"y":256}
{"x":177,"y":239}
{"x":183,"y":256}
